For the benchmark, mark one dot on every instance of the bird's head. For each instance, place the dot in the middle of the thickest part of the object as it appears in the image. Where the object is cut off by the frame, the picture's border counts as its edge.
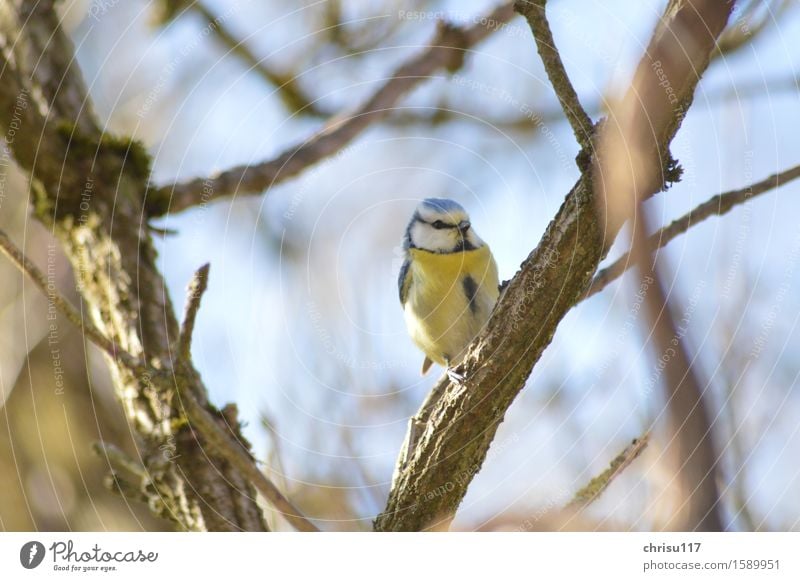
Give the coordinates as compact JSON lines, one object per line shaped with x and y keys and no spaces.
{"x":442,"y":226}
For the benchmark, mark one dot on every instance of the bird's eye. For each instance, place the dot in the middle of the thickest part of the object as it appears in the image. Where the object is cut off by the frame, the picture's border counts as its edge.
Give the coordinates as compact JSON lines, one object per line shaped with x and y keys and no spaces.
{"x":439,"y":225}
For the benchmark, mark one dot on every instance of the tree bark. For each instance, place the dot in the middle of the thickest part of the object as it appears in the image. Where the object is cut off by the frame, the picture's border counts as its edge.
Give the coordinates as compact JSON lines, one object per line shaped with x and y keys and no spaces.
{"x":89,"y":189}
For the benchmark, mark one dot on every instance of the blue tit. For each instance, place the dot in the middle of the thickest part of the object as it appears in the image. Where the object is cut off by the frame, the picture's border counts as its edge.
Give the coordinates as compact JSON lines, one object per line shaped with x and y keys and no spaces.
{"x":448,"y":282}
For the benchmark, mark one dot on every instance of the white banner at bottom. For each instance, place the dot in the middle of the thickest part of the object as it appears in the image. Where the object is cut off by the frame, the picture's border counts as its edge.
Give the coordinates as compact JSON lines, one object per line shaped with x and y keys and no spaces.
{"x":388,"y":556}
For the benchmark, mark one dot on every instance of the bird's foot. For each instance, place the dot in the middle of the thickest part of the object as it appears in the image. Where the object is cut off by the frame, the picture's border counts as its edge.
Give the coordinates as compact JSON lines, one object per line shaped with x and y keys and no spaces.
{"x":455,"y":376}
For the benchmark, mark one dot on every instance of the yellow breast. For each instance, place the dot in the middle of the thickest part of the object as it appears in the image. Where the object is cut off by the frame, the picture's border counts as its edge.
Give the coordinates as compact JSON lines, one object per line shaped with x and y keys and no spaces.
{"x":441,"y":318}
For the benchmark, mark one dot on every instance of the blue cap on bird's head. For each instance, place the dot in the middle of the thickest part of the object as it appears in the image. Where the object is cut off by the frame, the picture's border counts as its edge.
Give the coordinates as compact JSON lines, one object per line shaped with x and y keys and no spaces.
{"x":441,"y":209}
{"x":442,"y":206}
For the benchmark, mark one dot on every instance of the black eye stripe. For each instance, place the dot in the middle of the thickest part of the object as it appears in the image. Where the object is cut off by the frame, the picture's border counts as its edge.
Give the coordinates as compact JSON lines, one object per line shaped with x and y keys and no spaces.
{"x":438,"y":224}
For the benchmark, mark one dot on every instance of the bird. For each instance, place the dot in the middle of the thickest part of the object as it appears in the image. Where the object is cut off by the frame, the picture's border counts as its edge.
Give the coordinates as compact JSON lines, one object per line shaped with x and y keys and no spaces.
{"x":448,"y":282}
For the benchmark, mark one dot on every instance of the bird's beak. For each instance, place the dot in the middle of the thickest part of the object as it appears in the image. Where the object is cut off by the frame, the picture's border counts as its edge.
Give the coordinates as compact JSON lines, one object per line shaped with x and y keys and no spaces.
{"x":463,"y":226}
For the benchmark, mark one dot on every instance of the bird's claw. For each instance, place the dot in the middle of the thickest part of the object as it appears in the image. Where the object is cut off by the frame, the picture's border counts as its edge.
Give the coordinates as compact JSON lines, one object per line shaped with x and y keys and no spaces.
{"x":455,"y":376}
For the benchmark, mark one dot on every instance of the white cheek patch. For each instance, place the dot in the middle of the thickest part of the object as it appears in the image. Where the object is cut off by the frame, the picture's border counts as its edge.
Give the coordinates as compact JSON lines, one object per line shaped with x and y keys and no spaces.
{"x":426,"y":237}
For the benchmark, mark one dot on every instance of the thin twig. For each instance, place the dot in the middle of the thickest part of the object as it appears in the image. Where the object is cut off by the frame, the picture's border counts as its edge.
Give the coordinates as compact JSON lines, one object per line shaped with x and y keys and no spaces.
{"x":597,"y":485}
{"x":197,"y":286}
{"x":117,"y":459}
{"x":62,"y":304}
{"x":534,"y":12}
{"x":446,"y":50}
{"x":718,"y":205}
{"x":443,"y":114}
{"x":203,"y":422}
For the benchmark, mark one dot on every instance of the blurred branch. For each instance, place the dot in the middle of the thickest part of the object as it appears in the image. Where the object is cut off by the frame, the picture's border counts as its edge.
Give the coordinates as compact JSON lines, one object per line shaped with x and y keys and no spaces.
{"x":370,"y":33}
{"x":446,"y":51}
{"x":694,"y":458}
{"x":433,"y":474}
{"x":748,"y":26}
{"x":716,"y":206}
{"x":734,"y":368}
{"x":534,"y":12}
{"x":634,"y":162}
{"x":286,"y":85}
{"x":597,"y":485}
{"x":442,"y":114}
{"x":25,"y":265}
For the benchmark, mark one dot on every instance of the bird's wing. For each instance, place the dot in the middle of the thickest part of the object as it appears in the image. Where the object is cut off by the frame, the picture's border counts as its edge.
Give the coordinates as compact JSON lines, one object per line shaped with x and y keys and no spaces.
{"x":404,"y":281}
{"x":426,"y":364}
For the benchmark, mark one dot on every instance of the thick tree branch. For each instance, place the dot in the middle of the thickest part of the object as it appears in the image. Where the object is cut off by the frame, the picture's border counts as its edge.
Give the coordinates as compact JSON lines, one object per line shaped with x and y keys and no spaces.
{"x":202,"y":420}
{"x":88,"y":189}
{"x":446,"y":50}
{"x":534,"y":12}
{"x":717,"y":205}
{"x":433,"y":476}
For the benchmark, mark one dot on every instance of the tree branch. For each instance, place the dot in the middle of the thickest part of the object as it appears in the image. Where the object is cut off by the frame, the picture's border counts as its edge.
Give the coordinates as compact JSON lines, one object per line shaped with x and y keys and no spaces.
{"x":118,"y":460}
{"x":25,"y":265}
{"x":597,"y":485}
{"x":446,"y":50}
{"x":717,"y":205}
{"x":634,"y":161}
{"x":433,"y":476}
{"x":442,"y":114}
{"x":211,"y":432}
{"x":582,"y":126}
{"x":747,"y":27}
{"x":690,"y":451}
{"x":197,"y":286}
{"x":287,"y":87}
{"x":235,"y":452}
{"x":88,"y":188}
{"x":238,"y":456}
